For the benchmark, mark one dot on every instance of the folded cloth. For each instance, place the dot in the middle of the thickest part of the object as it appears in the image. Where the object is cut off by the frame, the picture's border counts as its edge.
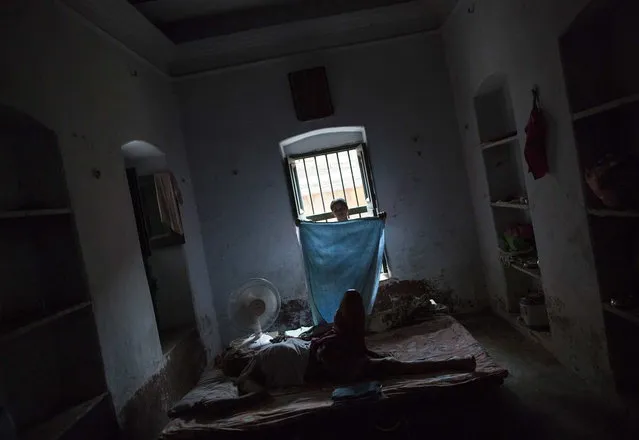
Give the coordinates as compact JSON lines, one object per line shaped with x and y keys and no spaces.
{"x":358,"y":392}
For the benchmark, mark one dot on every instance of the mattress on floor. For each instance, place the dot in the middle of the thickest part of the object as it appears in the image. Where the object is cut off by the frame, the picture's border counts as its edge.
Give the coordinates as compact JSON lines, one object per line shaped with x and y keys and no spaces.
{"x":213,"y":400}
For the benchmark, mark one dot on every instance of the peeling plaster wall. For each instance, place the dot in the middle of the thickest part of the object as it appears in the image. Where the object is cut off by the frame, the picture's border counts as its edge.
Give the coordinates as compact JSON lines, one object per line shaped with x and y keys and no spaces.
{"x":519,"y":38}
{"x":398,"y":89}
{"x":96,"y":96}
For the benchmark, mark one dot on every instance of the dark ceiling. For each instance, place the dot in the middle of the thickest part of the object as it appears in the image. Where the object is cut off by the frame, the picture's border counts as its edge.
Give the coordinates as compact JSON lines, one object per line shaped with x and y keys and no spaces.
{"x":198,"y":19}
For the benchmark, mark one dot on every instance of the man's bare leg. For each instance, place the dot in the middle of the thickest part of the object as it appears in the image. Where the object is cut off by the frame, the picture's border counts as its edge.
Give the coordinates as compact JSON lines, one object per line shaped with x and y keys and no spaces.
{"x":382,"y":368}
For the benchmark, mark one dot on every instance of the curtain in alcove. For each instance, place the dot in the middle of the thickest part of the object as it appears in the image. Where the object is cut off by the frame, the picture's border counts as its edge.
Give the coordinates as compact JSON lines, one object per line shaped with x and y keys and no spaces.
{"x":169,"y":200}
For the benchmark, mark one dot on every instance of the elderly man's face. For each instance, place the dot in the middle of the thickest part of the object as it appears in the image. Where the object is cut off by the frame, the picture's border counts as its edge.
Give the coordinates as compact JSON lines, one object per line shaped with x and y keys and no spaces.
{"x":340,"y":211}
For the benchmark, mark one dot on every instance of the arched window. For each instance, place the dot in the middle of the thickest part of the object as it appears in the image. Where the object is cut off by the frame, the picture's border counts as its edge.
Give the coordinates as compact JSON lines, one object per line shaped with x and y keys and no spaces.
{"x":327,"y":164}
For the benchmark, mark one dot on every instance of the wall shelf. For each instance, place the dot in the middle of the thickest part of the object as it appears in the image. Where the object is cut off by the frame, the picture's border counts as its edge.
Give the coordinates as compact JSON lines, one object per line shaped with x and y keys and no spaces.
{"x":509,"y":205}
{"x":506,"y":183}
{"x":506,"y":140}
{"x":534,"y":273}
{"x":51,"y":357}
{"x":17,"y":332}
{"x":510,"y":254}
{"x":61,"y":424}
{"x":631,"y":315}
{"x":598,"y":52}
{"x":613,"y":213}
{"x":611,"y":105}
{"x":34,"y":213}
{"x":541,"y":337}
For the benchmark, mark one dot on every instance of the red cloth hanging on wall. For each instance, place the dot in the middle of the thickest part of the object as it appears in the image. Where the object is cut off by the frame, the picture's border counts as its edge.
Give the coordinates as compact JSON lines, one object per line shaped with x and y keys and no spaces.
{"x":536,"y":134}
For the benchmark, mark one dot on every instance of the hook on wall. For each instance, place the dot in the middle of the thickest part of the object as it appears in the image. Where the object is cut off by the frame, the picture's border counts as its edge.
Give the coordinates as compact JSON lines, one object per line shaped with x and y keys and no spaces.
{"x":535,"y":95}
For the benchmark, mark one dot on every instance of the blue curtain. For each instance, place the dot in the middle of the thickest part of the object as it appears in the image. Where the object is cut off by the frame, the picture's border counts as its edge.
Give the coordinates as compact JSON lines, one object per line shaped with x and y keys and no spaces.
{"x":340,"y":256}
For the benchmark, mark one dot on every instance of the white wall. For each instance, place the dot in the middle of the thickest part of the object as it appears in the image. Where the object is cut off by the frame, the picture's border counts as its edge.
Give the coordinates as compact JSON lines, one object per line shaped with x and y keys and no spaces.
{"x":519,"y":38}
{"x":97,"y":97}
{"x":398,"y":90}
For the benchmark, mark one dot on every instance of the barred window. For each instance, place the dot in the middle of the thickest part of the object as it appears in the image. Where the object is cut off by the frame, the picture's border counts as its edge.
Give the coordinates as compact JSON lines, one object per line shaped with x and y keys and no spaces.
{"x":321,"y":177}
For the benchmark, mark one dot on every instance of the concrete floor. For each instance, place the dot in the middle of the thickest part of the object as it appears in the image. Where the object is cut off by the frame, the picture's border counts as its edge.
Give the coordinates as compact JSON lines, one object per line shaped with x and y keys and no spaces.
{"x":541,"y":398}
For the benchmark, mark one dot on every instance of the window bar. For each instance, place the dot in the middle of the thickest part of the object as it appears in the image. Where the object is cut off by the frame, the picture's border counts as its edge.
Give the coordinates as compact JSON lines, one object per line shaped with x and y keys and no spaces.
{"x":319,"y":182}
{"x":308,"y":186}
{"x":297,"y":191}
{"x":364,"y":172}
{"x":370,"y":180}
{"x":330,"y":178}
{"x":341,"y":176}
{"x":350,"y":165}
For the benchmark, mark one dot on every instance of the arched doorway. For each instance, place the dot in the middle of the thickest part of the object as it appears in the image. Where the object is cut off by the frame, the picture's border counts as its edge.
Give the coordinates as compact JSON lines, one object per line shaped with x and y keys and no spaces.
{"x":157,"y":207}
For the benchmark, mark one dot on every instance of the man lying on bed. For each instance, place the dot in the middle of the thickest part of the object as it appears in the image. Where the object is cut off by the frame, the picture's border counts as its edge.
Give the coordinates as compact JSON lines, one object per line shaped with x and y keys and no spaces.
{"x":339,"y":355}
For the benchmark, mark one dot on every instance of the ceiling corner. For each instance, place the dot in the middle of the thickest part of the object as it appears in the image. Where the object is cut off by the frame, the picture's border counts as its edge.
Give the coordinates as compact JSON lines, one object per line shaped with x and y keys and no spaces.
{"x":123,"y":22}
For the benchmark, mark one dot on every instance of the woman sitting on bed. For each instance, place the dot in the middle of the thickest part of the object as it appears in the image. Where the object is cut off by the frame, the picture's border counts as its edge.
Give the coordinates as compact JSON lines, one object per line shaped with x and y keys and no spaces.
{"x":339,"y":355}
